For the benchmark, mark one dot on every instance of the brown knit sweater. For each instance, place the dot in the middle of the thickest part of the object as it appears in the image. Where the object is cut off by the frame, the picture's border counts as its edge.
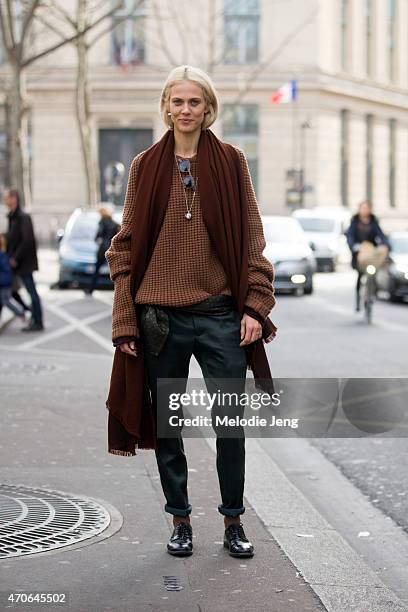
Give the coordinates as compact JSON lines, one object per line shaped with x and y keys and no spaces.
{"x":184,"y":268}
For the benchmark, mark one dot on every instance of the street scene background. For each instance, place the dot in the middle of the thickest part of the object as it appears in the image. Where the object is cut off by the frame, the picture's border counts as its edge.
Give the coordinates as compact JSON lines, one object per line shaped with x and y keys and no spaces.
{"x":315,"y":93}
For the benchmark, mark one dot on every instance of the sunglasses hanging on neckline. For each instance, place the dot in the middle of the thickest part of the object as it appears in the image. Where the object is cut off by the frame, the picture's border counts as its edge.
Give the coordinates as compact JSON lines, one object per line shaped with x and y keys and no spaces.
{"x":184,"y":166}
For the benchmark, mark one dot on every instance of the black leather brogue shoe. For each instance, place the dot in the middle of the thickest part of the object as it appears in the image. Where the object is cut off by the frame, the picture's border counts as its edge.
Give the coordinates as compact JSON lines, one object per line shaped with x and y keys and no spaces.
{"x":236,"y":541}
{"x":181,"y":541}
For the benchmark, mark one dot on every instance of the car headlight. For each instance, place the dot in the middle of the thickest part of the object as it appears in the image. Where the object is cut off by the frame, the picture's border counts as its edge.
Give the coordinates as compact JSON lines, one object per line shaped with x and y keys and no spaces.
{"x":399,"y":269}
{"x":403,"y":268}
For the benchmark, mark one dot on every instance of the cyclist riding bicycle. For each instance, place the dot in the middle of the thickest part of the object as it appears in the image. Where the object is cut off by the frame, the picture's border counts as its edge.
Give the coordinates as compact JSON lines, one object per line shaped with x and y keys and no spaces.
{"x":364,"y":227}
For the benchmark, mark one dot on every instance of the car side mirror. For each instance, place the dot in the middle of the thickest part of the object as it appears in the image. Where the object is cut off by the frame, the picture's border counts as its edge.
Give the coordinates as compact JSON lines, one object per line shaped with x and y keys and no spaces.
{"x":60,"y":235}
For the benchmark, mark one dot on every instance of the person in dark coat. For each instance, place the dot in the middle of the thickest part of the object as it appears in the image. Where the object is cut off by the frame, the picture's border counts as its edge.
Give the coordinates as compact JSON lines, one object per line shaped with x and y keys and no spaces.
{"x":107,"y":228}
{"x":364,"y":227}
{"x":22,"y":250}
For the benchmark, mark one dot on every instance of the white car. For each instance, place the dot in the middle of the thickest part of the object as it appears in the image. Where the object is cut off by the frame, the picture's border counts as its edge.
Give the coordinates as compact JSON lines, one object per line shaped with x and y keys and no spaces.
{"x":77,"y":249}
{"x":325,"y":229}
{"x":287,"y":248}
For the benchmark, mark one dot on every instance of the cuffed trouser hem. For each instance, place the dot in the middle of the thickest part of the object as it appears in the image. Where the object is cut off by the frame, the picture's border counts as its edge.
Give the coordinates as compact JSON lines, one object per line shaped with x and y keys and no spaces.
{"x":178,"y":511}
{"x":231,"y":511}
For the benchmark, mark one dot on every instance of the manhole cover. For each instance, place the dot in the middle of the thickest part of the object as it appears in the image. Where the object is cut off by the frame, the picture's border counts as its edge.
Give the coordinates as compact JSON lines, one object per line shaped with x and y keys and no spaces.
{"x":37,"y":520}
{"x":20,"y":367}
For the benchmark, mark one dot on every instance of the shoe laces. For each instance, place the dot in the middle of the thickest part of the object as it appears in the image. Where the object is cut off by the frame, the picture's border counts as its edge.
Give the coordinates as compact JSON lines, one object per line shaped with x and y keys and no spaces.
{"x":237,"y":532}
{"x":183,"y":530}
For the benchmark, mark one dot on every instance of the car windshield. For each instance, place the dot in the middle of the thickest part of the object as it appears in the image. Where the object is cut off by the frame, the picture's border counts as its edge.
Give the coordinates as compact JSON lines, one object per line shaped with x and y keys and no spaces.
{"x":84,"y":227}
{"x":283,"y":230}
{"x":317,"y":224}
{"x":399,"y":244}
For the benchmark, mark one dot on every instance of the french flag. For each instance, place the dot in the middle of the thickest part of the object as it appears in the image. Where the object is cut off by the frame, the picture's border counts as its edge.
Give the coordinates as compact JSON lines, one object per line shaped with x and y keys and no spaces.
{"x":285,"y":94}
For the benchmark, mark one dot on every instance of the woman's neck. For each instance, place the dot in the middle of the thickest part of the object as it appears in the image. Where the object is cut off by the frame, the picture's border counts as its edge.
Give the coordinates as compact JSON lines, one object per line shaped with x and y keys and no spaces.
{"x":186,"y":145}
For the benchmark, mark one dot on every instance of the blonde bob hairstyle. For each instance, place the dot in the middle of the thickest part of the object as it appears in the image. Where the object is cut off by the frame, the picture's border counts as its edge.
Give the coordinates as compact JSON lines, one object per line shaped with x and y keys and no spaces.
{"x":189,"y":73}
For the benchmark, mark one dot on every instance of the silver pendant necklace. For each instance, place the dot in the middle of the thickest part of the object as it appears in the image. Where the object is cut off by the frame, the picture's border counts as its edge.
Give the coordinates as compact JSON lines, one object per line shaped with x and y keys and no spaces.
{"x":188,"y":215}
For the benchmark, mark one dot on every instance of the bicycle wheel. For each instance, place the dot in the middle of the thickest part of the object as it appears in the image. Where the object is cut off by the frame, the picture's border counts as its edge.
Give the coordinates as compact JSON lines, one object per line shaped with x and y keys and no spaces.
{"x":369,"y":298}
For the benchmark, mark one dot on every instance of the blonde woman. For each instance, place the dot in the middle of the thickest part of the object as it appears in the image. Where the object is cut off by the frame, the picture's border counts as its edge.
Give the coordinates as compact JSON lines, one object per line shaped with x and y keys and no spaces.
{"x":190,"y":278}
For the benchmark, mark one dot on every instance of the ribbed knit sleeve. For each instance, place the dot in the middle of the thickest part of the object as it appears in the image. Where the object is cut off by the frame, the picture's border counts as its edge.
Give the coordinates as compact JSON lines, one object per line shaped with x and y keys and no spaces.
{"x":118,"y":258}
{"x":261,"y":294}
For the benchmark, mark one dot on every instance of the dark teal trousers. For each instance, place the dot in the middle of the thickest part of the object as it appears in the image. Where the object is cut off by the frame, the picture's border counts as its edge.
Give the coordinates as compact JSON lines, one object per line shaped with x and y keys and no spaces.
{"x":214,"y":341}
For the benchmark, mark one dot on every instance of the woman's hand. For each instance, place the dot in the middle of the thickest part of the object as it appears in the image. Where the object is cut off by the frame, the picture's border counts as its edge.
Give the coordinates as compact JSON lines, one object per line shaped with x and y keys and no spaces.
{"x":251,"y":330}
{"x":129,"y":348}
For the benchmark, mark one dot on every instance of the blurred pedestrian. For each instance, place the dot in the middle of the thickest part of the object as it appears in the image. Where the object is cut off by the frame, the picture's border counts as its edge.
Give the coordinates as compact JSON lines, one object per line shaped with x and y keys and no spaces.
{"x":6,"y":282}
{"x":190,"y":278}
{"x":364,"y":227}
{"x":107,"y":228}
{"x":16,"y":295}
{"x":22,"y":250}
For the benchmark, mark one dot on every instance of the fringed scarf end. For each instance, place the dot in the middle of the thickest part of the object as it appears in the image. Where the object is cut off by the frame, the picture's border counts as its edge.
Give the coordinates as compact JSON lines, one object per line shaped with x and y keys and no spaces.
{"x":123,"y":453}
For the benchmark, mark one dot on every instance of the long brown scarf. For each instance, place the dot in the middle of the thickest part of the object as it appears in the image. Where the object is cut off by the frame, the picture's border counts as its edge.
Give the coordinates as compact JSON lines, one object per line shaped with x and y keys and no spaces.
{"x":131,"y":421}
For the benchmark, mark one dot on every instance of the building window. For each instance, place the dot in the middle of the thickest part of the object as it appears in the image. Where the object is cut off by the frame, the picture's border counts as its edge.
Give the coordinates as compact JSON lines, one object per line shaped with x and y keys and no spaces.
{"x":241,"y":31}
{"x":344,"y":157}
{"x":128,"y":36}
{"x":392,"y":41}
{"x":240,"y":127}
{"x":392,"y":126}
{"x":369,"y":36}
{"x":369,"y":156}
{"x":345,"y":34}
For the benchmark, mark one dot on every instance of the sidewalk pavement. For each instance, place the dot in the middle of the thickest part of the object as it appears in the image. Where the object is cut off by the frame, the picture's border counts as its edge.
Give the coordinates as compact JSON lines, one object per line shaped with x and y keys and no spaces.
{"x":54,"y":435}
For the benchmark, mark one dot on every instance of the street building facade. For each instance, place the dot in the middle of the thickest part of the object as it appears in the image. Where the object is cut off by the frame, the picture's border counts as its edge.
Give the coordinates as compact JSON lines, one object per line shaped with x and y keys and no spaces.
{"x":343,"y":139}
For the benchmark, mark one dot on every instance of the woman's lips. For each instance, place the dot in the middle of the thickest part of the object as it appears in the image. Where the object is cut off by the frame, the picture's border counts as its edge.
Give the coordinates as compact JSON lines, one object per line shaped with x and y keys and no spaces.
{"x":185,"y":120}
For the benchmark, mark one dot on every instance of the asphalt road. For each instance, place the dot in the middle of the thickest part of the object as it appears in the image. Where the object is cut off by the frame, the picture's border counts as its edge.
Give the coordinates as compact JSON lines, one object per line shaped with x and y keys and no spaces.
{"x":321,"y":336}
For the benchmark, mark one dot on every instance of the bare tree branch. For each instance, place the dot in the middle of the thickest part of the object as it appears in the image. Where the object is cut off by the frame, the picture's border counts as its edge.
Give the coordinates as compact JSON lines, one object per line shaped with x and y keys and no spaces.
{"x":9,"y":14}
{"x":51,"y":26}
{"x":64,"y":13}
{"x":7,"y":40}
{"x":70,"y":39}
{"x":118,"y":21}
{"x":28,"y":17}
{"x":98,"y":6}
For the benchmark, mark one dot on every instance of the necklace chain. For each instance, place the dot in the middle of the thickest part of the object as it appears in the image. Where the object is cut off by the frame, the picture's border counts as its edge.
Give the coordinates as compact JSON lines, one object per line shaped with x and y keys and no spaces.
{"x":188,"y":214}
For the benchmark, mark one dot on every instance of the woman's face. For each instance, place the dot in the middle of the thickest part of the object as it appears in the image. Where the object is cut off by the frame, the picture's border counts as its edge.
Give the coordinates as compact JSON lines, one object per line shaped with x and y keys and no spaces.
{"x":364,"y":210}
{"x":187,"y":107}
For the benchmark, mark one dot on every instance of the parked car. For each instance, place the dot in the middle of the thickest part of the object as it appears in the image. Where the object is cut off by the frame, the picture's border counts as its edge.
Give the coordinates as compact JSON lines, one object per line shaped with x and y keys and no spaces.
{"x":393,"y":276}
{"x":77,"y":250}
{"x":325,"y":229}
{"x":287,"y":248}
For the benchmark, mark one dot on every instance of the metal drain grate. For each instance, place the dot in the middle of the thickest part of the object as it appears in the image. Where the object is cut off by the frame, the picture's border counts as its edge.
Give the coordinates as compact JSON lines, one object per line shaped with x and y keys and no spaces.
{"x":37,"y":520}
{"x":172,"y":583}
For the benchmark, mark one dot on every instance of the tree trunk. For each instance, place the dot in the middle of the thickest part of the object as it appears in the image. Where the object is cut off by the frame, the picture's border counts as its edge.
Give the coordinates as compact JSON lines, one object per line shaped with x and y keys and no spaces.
{"x":18,"y":135}
{"x":83,"y":114}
